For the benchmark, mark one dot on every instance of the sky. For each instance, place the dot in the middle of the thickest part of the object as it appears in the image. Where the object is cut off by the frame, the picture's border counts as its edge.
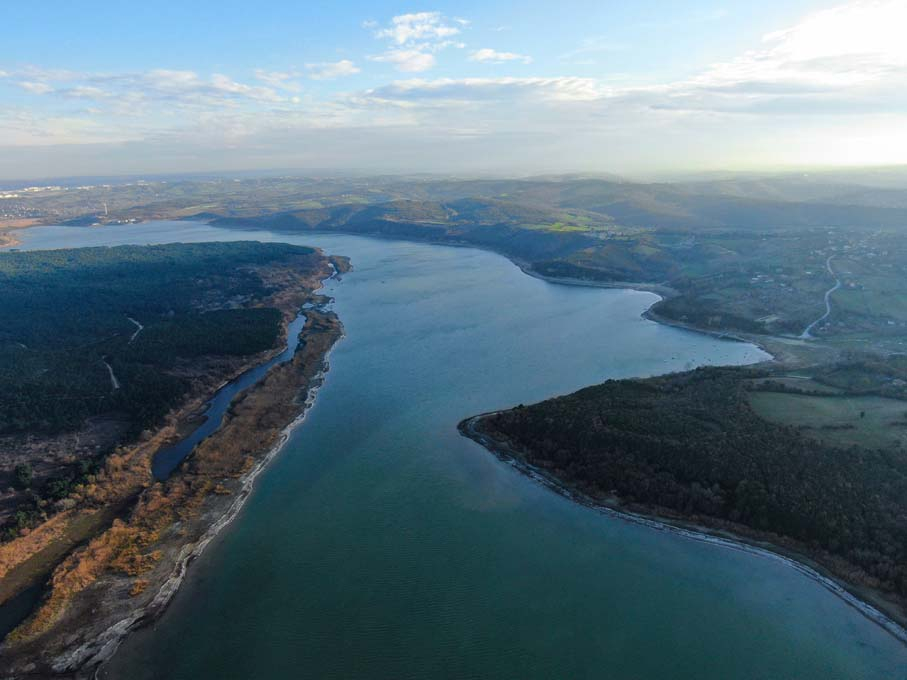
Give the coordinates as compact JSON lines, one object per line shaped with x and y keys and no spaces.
{"x":467,"y":87}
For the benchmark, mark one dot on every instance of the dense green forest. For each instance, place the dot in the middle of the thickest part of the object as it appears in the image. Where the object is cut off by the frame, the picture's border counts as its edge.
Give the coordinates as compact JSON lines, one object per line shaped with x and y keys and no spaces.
{"x":66,"y":315}
{"x":691,"y":443}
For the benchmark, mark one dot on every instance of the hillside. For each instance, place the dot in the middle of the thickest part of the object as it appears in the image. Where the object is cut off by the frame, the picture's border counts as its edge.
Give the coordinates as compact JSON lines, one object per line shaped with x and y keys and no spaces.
{"x":743,"y":253}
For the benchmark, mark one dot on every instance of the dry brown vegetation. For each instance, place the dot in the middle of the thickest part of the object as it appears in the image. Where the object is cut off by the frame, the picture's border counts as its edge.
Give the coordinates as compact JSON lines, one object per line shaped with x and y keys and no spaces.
{"x":141,"y":545}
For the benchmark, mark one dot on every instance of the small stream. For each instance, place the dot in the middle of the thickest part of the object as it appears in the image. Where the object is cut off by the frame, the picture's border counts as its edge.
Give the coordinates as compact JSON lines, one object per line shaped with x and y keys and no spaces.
{"x":383,"y":545}
{"x":168,"y":459}
{"x":17,"y":608}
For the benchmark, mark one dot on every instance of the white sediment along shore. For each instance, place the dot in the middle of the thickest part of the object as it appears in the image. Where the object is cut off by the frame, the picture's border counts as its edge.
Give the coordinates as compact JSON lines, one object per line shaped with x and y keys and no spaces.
{"x":105,"y":645}
{"x":542,"y":477}
{"x":97,"y":652}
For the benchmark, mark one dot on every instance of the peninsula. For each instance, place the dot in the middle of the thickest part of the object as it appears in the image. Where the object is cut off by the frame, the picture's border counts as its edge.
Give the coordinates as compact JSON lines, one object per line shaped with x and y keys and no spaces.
{"x":803,"y":463}
{"x":120,"y":353}
{"x":809,"y":272}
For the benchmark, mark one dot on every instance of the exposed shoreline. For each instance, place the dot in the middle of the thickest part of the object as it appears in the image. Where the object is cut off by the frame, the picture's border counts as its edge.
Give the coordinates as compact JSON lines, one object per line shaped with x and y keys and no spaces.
{"x":202,"y":498}
{"x":8,"y":229}
{"x":766,"y":343}
{"x":891,"y":618}
{"x":95,"y":655}
{"x":891,"y":621}
{"x":660,"y":289}
{"x":7,"y":240}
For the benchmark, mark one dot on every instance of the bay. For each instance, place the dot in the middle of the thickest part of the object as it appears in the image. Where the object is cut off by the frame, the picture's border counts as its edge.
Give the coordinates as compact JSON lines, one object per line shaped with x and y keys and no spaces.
{"x":382,"y":544}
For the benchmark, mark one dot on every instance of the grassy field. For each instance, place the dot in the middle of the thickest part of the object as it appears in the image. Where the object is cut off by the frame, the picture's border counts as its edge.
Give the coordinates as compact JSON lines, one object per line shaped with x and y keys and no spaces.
{"x":867,"y":421}
{"x":799,"y":382}
{"x":559,"y":227}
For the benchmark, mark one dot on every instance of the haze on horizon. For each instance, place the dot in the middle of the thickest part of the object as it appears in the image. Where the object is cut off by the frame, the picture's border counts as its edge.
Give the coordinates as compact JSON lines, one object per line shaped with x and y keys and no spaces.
{"x":499,"y":87}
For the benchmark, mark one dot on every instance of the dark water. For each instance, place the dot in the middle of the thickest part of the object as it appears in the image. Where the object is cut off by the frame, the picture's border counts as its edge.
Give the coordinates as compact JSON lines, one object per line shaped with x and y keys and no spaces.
{"x":16,"y":609}
{"x":167,"y":459}
{"x":381,"y":544}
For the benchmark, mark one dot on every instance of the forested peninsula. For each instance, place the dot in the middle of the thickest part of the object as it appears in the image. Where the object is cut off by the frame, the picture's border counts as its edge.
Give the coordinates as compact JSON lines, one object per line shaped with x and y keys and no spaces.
{"x":812,"y":467}
{"x":116,"y":358}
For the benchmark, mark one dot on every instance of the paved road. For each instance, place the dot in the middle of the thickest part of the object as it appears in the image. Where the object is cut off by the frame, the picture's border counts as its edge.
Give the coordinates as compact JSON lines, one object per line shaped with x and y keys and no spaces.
{"x":807,"y":332}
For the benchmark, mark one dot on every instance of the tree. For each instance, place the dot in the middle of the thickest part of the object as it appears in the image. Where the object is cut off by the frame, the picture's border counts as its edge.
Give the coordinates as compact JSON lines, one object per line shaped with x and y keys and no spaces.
{"x":24,"y":475}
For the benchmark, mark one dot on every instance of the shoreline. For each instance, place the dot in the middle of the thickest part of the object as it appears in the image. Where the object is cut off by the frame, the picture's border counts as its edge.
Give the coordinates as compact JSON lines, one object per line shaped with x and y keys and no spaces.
{"x":205,"y":497}
{"x":8,"y":229}
{"x":664,"y":291}
{"x":661,"y":289}
{"x":893,"y":622}
{"x":7,"y":240}
{"x":117,"y":633}
{"x":896,"y":625}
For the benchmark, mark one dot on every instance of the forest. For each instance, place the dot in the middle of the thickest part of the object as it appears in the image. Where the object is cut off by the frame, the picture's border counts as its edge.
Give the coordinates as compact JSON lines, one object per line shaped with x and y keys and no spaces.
{"x":68,"y":315}
{"x":689,"y":444}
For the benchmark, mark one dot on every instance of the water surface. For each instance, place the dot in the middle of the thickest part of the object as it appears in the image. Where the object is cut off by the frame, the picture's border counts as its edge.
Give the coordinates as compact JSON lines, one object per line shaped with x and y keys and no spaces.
{"x":167,"y":459}
{"x":380,"y":544}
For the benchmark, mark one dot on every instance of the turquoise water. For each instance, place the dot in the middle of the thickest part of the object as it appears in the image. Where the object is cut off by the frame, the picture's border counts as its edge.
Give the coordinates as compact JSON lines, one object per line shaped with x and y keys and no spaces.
{"x":381,"y":544}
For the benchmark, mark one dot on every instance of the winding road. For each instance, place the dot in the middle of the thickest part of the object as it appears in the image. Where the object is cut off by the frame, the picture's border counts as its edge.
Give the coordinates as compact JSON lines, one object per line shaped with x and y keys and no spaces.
{"x":114,"y":383}
{"x":138,"y":329}
{"x":807,"y":332}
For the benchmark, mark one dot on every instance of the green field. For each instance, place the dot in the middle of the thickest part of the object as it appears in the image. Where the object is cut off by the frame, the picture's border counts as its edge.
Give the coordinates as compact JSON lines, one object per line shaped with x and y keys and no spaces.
{"x":870,"y":421}
{"x":803,"y":383}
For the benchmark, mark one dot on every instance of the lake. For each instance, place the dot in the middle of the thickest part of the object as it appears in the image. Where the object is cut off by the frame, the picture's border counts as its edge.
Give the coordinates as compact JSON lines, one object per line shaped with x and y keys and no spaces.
{"x":381,"y":544}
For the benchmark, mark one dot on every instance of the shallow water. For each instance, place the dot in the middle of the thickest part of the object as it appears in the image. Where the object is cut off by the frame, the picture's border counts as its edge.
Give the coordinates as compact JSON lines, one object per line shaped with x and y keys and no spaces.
{"x":382,"y":544}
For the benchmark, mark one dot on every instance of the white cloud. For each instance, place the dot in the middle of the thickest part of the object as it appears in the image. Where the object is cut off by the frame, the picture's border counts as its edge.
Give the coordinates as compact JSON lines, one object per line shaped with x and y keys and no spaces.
{"x":222,"y":84}
{"x":846,"y":50}
{"x":416,"y":38}
{"x":28,"y":128}
{"x":564,"y":89}
{"x":419,"y":26}
{"x":410,"y":61}
{"x":281,"y":80}
{"x":182,"y":87}
{"x":849,"y":60}
{"x":35,"y":87}
{"x":593,"y":45}
{"x":832,"y":85}
{"x":490,"y":56}
{"x":85,"y":92}
{"x":38,"y":73}
{"x":332,"y":69}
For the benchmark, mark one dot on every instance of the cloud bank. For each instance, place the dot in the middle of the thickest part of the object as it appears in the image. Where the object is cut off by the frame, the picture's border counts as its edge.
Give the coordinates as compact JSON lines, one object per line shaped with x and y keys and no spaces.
{"x":832,"y":88}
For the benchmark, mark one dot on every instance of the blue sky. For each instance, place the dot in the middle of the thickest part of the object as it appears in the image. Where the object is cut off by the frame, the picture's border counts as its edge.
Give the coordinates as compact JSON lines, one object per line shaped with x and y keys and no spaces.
{"x":500,"y":87}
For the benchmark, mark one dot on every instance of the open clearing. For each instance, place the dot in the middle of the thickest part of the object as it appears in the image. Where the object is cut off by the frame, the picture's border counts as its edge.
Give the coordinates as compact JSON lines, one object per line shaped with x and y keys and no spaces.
{"x":837,"y":419}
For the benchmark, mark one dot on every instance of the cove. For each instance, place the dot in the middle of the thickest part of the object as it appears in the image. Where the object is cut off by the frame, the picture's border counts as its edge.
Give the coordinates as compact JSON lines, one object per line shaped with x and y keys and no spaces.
{"x":382,"y":544}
